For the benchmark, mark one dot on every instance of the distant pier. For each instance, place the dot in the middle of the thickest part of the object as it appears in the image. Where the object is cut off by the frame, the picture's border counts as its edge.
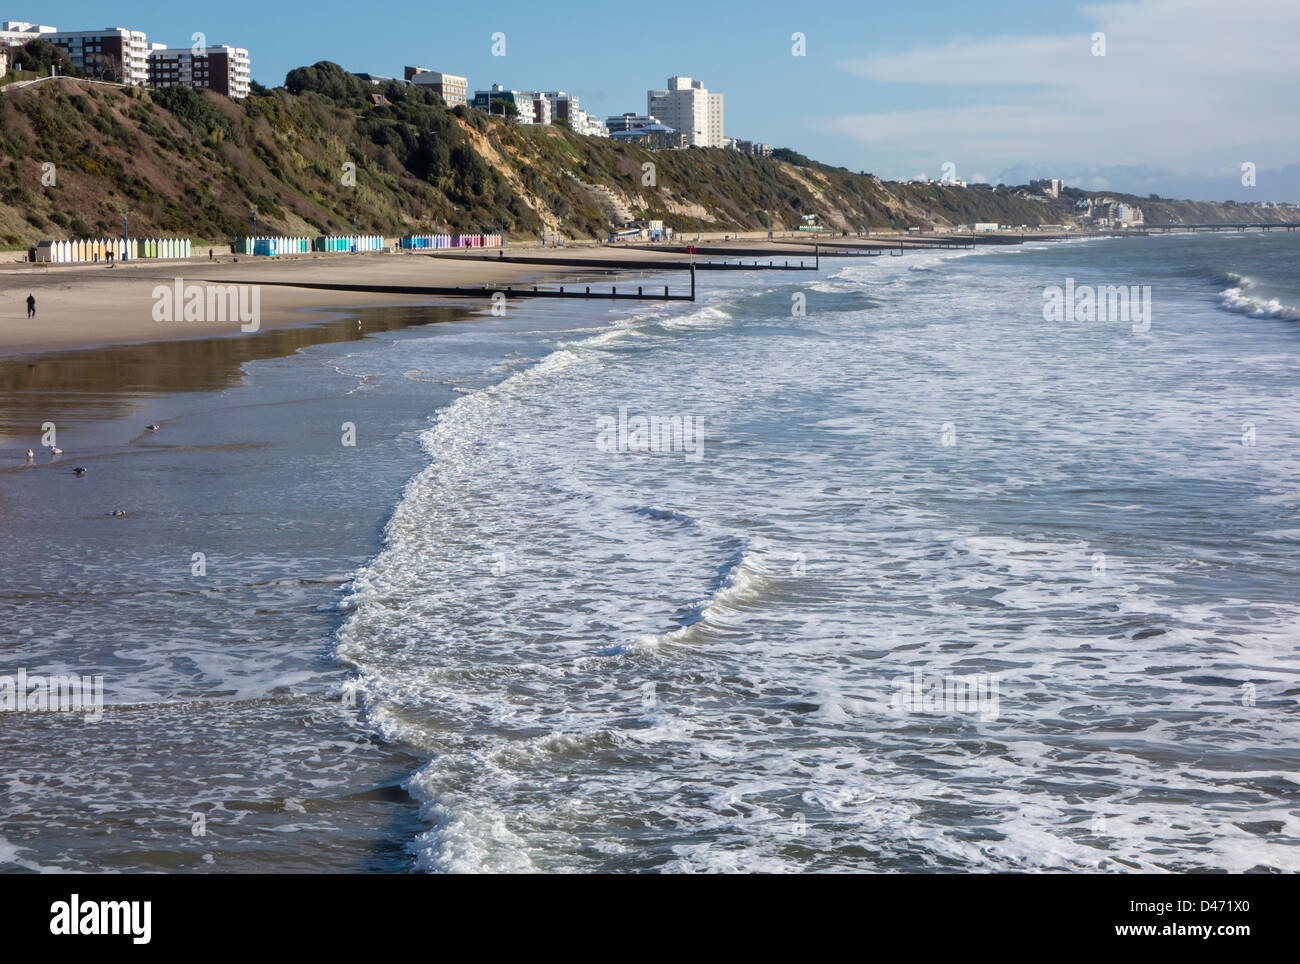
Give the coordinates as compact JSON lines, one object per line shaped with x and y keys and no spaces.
{"x":623,"y":264}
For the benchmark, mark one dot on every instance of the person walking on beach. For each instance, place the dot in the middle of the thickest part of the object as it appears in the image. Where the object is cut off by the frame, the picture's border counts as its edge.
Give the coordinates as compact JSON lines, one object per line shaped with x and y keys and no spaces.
{"x":31,"y":306}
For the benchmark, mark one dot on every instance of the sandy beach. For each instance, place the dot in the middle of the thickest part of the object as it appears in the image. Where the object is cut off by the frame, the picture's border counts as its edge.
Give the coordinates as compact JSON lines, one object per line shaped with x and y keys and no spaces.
{"x":83,"y":306}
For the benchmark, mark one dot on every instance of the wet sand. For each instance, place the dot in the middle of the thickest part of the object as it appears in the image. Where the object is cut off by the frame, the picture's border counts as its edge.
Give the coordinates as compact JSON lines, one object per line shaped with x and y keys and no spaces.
{"x":222,"y":697}
{"x":81,"y":306}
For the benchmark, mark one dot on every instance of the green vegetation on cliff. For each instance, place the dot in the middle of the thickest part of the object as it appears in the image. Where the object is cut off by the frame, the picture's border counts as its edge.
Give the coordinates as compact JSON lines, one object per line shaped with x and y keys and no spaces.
{"x":329,"y":148}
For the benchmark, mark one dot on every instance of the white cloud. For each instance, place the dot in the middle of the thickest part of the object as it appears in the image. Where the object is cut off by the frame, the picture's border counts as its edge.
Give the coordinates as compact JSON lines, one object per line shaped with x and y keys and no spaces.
{"x":1183,"y":83}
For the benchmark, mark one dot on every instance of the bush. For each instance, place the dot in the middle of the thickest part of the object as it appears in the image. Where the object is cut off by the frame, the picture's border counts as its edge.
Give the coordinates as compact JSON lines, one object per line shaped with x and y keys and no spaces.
{"x":193,"y":109}
{"x":40,"y":55}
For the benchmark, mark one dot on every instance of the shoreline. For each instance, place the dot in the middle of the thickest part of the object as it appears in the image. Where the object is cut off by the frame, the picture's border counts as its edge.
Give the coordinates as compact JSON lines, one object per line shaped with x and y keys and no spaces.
{"x":98,"y":306}
{"x":89,"y":306}
{"x":247,"y":471}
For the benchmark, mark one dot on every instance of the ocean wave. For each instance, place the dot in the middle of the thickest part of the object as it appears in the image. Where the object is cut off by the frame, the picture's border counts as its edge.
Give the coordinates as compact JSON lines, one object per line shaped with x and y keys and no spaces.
{"x":1238,"y":298}
{"x":654,"y":685}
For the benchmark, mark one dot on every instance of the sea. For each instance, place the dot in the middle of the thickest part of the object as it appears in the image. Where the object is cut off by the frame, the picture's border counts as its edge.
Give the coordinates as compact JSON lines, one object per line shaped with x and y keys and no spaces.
{"x":891,"y":567}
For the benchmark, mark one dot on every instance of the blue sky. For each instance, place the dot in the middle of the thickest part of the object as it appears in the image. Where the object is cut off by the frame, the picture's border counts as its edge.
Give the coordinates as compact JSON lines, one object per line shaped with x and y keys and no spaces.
{"x":1186,"y":92}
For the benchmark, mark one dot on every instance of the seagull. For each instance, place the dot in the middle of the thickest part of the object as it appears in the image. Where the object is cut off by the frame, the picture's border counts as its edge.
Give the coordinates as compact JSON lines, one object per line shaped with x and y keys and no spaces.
{"x":152,"y":427}
{"x":78,"y":471}
{"x":30,"y":455}
{"x":55,"y":450}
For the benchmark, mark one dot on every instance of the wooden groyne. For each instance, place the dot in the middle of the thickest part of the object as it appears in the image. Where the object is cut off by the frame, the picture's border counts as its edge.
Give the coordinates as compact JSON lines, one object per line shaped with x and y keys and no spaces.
{"x":489,"y":290}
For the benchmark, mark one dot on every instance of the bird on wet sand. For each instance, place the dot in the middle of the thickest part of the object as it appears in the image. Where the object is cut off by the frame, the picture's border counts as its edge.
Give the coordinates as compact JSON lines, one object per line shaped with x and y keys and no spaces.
{"x":78,"y":471}
{"x":151,"y":427}
{"x":30,"y":455}
{"x":119,"y":513}
{"x":55,"y":450}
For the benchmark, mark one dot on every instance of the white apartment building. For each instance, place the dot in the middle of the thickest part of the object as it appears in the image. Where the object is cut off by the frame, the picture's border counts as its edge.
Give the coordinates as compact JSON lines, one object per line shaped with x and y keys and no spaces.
{"x":587,"y":123}
{"x":491,"y":102}
{"x":562,"y":106}
{"x":556,"y":106}
{"x":688,"y":108}
{"x":543,"y":108}
{"x":217,"y":67}
{"x":15,"y":32}
{"x":114,"y":53}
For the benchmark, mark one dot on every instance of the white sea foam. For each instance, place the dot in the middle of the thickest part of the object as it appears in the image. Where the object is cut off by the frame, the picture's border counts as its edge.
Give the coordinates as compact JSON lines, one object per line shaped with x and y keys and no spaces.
{"x":627,"y":663}
{"x":1239,"y":300}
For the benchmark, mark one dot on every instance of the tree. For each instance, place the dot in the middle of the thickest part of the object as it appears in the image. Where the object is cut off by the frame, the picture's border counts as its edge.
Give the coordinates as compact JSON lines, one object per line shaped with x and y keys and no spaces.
{"x":329,"y":80}
{"x":40,"y":55}
{"x":508,"y":106}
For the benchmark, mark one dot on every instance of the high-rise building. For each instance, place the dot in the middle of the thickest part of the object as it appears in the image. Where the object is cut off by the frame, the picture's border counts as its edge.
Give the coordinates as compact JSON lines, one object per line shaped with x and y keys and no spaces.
{"x":453,"y":90}
{"x":687,"y":107}
{"x":217,"y":67}
{"x":114,"y":53}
